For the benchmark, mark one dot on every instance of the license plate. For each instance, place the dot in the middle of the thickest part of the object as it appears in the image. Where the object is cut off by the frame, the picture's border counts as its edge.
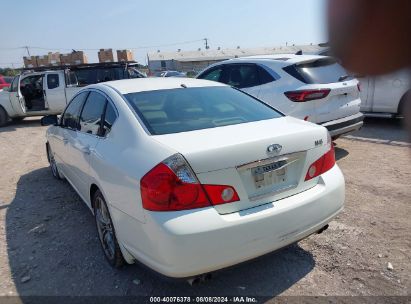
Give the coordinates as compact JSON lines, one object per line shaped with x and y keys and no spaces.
{"x":269,"y":174}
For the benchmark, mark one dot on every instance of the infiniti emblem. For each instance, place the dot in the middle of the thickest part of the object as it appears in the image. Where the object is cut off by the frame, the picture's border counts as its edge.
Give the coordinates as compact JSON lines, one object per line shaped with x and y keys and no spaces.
{"x":274,"y":148}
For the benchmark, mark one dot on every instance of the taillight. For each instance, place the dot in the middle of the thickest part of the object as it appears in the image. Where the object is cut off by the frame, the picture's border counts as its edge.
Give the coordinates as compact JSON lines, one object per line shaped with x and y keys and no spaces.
{"x":321,"y":165}
{"x":173,"y":186}
{"x":306,"y":95}
{"x":220,"y":194}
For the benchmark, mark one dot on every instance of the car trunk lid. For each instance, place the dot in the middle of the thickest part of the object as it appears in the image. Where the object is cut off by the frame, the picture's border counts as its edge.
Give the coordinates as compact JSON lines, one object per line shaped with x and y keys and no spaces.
{"x":264,"y":161}
{"x":342,"y":101}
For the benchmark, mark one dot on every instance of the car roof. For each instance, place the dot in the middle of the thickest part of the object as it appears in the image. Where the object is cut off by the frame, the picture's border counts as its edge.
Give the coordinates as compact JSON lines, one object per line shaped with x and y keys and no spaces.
{"x":286,"y":59}
{"x":153,"y":84}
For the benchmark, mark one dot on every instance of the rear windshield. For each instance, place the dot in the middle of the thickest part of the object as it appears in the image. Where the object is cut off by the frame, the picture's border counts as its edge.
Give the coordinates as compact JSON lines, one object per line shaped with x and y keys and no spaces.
{"x":189,"y":109}
{"x":320,"y":71}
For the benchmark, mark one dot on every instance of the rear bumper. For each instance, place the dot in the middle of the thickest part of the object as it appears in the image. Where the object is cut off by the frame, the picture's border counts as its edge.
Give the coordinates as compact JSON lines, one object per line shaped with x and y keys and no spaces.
{"x":344,"y":125}
{"x":188,"y":243}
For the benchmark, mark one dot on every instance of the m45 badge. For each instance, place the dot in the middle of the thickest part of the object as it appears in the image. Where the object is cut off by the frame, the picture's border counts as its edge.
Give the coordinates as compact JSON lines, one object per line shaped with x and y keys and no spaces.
{"x":318,"y":142}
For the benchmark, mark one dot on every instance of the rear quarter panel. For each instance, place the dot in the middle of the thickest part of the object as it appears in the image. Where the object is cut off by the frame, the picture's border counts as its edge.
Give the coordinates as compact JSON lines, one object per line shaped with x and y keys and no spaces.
{"x":273,"y":94}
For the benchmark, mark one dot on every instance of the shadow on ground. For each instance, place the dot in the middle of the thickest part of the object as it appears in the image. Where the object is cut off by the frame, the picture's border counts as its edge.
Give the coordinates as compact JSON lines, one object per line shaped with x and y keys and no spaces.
{"x":382,"y":130}
{"x":340,"y":153}
{"x":52,"y":243}
{"x":26,"y":123}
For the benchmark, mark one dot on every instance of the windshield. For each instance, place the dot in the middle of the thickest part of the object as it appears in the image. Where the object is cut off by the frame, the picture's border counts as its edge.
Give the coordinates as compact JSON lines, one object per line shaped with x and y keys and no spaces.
{"x":189,"y":109}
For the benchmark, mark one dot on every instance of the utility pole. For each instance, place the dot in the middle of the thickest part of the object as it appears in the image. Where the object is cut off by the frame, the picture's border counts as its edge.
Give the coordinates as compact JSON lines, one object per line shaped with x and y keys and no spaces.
{"x":28,"y":51}
{"x":206,"y":43}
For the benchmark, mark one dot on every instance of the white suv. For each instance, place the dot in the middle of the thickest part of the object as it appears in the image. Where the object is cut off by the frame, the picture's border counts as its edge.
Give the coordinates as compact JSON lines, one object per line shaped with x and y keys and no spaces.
{"x":310,"y":87}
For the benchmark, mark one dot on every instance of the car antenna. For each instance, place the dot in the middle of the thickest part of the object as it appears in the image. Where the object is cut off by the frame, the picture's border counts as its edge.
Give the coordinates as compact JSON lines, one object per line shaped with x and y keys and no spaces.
{"x":183,"y":86}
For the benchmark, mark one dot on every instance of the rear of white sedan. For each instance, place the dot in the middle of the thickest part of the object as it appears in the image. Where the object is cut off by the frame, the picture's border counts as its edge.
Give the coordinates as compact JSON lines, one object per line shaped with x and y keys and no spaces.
{"x":198,"y":176}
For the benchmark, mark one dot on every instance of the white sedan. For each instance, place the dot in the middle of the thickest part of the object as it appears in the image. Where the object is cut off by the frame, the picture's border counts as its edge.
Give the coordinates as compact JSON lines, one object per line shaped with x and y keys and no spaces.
{"x":189,"y":176}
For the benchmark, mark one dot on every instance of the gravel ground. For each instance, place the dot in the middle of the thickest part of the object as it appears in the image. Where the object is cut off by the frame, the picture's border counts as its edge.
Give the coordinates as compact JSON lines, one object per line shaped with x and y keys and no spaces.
{"x":49,"y":245}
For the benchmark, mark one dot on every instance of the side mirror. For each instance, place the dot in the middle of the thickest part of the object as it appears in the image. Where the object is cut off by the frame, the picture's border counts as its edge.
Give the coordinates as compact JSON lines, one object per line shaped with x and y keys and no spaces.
{"x":49,"y":120}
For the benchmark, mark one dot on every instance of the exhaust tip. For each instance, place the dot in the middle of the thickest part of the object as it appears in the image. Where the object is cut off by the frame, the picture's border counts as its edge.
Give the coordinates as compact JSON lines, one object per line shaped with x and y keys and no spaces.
{"x":194,"y":281}
{"x":323,"y":229}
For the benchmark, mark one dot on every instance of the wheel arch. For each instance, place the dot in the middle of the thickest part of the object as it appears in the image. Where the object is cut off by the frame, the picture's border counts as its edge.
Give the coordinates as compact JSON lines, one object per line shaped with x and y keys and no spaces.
{"x":126,"y":254}
{"x":401,"y":104}
{"x":47,"y":149}
{"x":7,"y":118}
{"x":93,"y":190}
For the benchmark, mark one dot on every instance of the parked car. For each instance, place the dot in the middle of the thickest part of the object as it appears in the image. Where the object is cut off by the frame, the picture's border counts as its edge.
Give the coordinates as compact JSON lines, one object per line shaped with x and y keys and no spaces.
{"x":169,"y":74}
{"x":5,"y":81}
{"x":44,"y":91}
{"x":189,"y":176}
{"x":309,"y":87}
{"x":385,"y":95}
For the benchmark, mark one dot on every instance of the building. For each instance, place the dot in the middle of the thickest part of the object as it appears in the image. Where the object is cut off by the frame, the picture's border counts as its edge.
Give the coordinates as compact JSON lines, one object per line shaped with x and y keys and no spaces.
{"x":198,"y":60}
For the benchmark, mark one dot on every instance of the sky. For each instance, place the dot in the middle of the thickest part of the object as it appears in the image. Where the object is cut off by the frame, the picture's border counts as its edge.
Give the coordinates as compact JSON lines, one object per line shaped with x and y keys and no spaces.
{"x":148,"y":26}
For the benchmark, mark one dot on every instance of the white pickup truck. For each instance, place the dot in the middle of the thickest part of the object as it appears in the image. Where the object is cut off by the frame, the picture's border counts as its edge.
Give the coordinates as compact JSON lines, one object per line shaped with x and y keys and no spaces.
{"x":46,"y":92}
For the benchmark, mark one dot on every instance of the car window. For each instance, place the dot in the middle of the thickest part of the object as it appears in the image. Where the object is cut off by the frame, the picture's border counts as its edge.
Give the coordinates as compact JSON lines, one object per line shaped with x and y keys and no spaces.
{"x":189,"y":109}
{"x":322,"y":71}
{"x":242,"y":76}
{"x":109,"y":118}
{"x":90,"y":118}
{"x":264,"y":76}
{"x":213,"y":74}
{"x":71,"y":114}
{"x":53,"y":81}
{"x":97,"y":75}
{"x":71,"y":78}
{"x":14,"y":84}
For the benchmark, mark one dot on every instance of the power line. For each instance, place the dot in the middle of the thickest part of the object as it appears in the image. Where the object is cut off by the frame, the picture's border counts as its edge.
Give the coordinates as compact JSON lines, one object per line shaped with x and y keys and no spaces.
{"x":97,"y":49}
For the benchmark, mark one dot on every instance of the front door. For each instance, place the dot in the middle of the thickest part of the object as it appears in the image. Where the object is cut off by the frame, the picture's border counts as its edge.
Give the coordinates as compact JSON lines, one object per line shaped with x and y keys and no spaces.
{"x":63,"y":138}
{"x":243,"y":76}
{"x":16,"y":98}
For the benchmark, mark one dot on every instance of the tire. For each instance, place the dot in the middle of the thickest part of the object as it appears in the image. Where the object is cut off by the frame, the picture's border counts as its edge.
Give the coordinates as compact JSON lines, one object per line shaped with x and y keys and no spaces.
{"x":106,"y":232}
{"x":53,"y":164}
{"x":3,"y":117}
